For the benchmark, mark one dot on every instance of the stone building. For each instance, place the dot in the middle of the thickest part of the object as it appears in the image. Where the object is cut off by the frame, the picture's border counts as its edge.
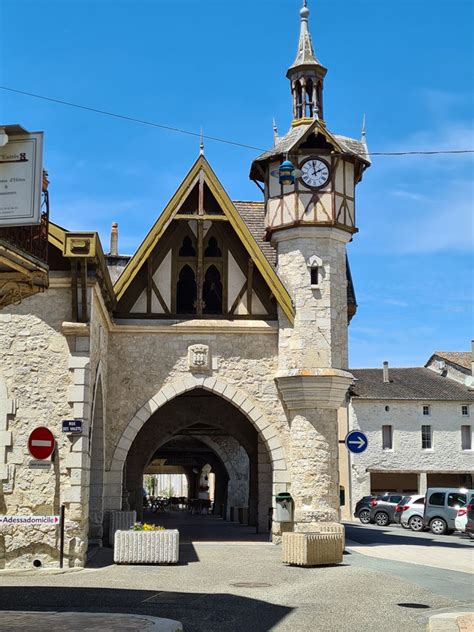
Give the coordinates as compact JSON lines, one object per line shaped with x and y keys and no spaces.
{"x":419,"y":426}
{"x":221,"y":342}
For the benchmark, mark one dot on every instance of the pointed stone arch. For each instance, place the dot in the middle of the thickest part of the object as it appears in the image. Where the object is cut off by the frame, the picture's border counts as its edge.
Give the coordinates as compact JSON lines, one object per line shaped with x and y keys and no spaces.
{"x":236,"y":396}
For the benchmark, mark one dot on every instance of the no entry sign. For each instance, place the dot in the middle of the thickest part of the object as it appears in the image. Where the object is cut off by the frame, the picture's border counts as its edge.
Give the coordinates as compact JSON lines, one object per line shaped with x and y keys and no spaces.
{"x":41,"y":443}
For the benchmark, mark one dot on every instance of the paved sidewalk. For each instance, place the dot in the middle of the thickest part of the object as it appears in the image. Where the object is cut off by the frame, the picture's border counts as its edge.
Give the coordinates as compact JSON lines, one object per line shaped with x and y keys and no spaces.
{"x":452,"y":622}
{"x":461,"y":560}
{"x":81,"y":622}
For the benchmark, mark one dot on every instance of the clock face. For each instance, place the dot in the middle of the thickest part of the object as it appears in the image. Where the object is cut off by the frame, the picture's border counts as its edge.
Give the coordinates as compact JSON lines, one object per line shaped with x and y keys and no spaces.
{"x":315,"y":173}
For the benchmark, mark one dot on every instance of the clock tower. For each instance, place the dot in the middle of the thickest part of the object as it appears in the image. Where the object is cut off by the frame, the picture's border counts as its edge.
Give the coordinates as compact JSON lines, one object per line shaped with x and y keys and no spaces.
{"x":310,"y":218}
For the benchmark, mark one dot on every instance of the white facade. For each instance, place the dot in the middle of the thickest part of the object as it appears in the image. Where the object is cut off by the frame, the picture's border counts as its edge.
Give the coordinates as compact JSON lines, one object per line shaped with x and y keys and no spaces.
{"x":397,"y":458}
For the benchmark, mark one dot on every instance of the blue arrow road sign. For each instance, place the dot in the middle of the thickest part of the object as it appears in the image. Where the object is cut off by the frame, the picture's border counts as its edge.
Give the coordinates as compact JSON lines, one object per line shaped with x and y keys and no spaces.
{"x":356,"y":442}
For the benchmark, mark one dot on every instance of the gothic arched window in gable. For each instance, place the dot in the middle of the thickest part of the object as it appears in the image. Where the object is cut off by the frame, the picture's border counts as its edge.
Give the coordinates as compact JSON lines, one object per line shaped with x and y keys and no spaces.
{"x":212,"y":291}
{"x":212,"y":249}
{"x":187,"y":249}
{"x":186,"y":291}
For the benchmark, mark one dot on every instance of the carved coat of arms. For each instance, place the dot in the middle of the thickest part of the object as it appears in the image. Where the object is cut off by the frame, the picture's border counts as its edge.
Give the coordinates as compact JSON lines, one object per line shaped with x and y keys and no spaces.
{"x":199,"y":358}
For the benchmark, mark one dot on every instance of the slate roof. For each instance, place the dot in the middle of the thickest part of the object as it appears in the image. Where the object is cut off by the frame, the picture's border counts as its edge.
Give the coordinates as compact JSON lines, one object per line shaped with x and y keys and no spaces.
{"x":116,"y":265}
{"x":416,"y":383}
{"x":353,"y":146}
{"x":462,"y":358}
{"x":285,"y":143}
{"x":253,"y":214}
{"x":290,"y":139}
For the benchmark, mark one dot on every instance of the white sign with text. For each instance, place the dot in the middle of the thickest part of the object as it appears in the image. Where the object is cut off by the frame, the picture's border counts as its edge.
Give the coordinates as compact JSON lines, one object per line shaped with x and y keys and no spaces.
{"x":21,"y":177}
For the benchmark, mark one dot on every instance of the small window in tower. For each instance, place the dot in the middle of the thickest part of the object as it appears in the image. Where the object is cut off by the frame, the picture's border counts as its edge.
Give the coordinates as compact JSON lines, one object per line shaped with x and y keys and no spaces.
{"x":186,"y":292}
{"x":314,"y":272}
{"x":212,"y":291}
{"x":187,"y":249}
{"x":212,"y":249}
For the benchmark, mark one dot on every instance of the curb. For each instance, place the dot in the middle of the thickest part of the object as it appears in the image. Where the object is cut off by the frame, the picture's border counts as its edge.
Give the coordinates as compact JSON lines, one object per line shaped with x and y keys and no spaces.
{"x":458,"y":621}
{"x":30,"y":572}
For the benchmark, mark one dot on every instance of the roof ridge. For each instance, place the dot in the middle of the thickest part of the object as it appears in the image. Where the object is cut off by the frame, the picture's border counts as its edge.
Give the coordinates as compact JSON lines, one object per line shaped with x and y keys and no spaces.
{"x":250,"y":201}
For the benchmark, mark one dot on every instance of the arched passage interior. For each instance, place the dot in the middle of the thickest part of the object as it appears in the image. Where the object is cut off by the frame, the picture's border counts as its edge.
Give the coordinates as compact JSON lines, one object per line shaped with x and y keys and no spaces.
{"x":202,"y":416}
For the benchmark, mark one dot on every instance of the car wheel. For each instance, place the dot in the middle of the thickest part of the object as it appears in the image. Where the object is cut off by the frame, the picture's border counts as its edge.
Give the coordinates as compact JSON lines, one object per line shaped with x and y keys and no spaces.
{"x":364,"y":516}
{"x":381,"y":519}
{"x":416,"y":523}
{"x":404,"y":525}
{"x":438,"y":526}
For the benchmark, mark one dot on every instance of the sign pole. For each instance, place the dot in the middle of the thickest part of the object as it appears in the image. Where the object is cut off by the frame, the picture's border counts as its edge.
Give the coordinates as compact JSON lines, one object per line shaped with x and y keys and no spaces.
{"x":61,"y":537}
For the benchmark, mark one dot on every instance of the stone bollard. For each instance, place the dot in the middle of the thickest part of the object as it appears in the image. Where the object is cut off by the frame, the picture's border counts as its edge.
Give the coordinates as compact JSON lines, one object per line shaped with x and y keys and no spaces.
{"x":323,"y":545}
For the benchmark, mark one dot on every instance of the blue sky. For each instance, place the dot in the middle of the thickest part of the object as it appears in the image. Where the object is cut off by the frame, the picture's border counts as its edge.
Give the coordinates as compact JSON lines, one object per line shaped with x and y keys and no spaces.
{"x":408,"y":64}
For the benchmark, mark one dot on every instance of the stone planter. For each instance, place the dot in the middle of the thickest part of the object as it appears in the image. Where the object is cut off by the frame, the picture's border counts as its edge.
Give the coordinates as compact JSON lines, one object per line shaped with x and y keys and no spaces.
{"x":120,"y":520}
{"x":146,"y":547}
{"x":324,"y":545}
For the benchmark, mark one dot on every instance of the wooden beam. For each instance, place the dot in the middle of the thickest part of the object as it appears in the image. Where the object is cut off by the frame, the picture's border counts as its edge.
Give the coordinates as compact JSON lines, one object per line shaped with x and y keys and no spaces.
{"x":200,"y":248}
{"x":149,"y":280}
{"x":159,"y":297}
{"x":250,"y":285}
{"x":74,"y":296}
{"x":84,"y":317}
{"x":204,"y":217}
{"x":238,"y":298}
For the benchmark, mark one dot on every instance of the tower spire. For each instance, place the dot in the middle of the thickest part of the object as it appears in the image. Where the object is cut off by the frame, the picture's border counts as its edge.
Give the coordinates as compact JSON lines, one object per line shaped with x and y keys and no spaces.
{"x":306,"y":75}
{"x":305,"y":54}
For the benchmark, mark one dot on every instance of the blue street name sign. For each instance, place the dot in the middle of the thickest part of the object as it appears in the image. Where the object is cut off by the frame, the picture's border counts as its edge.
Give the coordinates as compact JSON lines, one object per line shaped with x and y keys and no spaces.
{"x":72,"y":425}
{"x":356,"y":442}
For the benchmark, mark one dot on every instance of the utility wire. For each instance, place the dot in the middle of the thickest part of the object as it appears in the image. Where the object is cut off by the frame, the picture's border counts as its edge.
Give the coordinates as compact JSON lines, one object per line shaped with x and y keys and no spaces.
{"x":131,"y":118}
{"x":216,"y":138}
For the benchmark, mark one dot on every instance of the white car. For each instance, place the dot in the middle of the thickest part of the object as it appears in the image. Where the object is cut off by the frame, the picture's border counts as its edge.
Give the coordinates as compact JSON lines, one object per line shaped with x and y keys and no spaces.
{"x":412,"y":513}
{"x":461,"y":520}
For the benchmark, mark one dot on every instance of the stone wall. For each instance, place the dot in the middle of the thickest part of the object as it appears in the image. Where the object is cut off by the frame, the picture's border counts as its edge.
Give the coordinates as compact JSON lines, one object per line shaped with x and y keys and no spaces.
{"x":34,"y":364}
{"x":319,"y":336}
{"x":143,"y":364}
{"x":407,"y":417}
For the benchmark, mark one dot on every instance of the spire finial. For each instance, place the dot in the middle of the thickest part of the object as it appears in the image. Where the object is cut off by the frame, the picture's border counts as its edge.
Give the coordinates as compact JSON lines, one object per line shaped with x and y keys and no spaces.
{"x":275,"y":132}
{"x":363,"y":131}
{"x":201,"y":143}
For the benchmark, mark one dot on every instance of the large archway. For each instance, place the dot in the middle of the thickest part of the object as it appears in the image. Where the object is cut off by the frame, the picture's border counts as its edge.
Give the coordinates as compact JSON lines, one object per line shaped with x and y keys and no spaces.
{"x":272,"y":455}
{"x":199,"y":414}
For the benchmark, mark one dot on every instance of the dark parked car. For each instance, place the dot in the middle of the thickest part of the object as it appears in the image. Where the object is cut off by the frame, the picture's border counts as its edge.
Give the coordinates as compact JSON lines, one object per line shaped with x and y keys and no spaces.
{"x":362,"y":509}
{"x":382,"y":509}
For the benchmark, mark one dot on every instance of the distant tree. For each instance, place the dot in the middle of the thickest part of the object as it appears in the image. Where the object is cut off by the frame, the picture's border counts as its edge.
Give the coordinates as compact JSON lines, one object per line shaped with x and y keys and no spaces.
{"x":168,"y":492}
